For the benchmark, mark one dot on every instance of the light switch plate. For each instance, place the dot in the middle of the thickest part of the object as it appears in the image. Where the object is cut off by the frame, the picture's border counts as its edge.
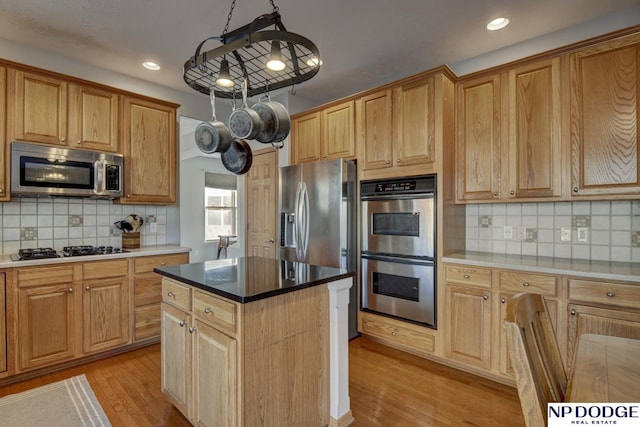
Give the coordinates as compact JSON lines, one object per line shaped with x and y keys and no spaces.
{"x":565,"y":234}
{"x":583,"y":234}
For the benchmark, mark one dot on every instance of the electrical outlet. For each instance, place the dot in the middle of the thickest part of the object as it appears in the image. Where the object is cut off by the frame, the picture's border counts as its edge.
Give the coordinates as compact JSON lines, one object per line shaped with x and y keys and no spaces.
{"x":520,"y":233}
{"x":153,"y":227}
{"x":507,"y":232}
{"x":583,"y":234}
{"x":565,"y":234}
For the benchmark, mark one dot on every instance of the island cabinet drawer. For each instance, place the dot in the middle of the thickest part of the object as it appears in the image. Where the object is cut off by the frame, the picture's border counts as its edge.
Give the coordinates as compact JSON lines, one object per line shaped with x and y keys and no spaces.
{"x":618,"y":294}
{"x":477,"y":276}
{"x":176,"y":294}
{"x":517,"y":281}
{"x":216,"y":311}
{"x":399,"y":333}
{"x":148,"y":263}
{"x":102,"y":269}
{"x":41,"y":276}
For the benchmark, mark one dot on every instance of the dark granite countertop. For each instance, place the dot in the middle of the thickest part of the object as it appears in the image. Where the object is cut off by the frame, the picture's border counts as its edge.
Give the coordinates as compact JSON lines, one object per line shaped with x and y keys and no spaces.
{"x":252,"y":278}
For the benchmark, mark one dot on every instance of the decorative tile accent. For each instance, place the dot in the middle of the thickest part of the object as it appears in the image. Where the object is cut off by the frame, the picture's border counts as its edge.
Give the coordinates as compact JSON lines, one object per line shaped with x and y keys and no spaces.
{"x":484,"y":221}
{"x":28,"y":233}
{"x":635,"y":239}
{"x":531,"y":235}
{"x":75,"y":220}
{"x":581,"y":221}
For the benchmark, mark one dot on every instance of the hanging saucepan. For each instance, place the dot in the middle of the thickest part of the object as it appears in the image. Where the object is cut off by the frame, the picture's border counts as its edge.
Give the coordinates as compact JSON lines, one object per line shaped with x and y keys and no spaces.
{"x":244,"y":122}
{"x":214,"y":136}
{"x":238,"y":157}
{"x":274,"y":121}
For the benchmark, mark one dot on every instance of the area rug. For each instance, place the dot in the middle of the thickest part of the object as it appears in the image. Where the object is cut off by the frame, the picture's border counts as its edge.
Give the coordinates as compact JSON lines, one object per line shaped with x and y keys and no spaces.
{"x":67,"y":403}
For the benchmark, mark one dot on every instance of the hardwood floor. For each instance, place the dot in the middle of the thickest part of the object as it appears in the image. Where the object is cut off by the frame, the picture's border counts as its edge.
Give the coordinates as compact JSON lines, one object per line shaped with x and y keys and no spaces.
{"x":387,"y":388}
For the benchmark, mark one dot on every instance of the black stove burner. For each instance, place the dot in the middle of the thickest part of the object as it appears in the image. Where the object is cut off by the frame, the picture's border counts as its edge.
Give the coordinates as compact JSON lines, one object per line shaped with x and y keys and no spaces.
{"x":89,"y":250}
{"x":35,"y":253}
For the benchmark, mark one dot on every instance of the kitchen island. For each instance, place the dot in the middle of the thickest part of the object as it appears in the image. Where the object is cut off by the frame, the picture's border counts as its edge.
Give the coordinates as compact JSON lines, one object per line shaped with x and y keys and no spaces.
{"x":256,"y":342}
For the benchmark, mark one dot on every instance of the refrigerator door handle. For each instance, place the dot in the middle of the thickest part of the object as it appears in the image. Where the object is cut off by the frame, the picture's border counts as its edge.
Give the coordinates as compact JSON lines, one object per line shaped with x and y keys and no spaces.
{"x":296,"y":225}
{"x":304,"y":226}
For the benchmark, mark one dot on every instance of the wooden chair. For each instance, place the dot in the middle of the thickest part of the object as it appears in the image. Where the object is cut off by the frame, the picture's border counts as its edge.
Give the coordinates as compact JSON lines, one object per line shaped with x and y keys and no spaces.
{"x":535,"y":356}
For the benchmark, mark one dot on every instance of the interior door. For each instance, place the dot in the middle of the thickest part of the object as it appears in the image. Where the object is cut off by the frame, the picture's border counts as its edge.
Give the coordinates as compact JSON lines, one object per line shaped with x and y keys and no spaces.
{"x":262,"y":204}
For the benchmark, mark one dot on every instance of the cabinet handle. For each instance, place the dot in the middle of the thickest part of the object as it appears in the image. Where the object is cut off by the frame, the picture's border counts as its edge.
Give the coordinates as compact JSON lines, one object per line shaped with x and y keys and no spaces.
{"x":62,"y":140}
{"x":575,"y":189}
{"x":573,"y":312}
{"x":388,"y":161}
{"x":192,"y":329}
{"x":207,"y":310}
{"x":466,"y":276}
{"x":525,"y":284}
{"x":87,"y":288}
{"x":171,"y":294}
{"x":485,"y":297}
{"x":182,"y":322}
{"x":495,"y":194}
{"x":611,"y":294}
{"x":398,"y":161}
{"x":70,"y":290}
{"x":512,"y":193}
{"x":1,"y":190}
{"x":162,"y":264}
{"x":393,"y":333}
{"x":79,"y":142}
{"x":503,"y":300}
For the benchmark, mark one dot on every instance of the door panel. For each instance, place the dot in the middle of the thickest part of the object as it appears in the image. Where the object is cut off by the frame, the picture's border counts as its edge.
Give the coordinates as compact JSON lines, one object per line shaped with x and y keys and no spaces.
{"x":262,"y":207}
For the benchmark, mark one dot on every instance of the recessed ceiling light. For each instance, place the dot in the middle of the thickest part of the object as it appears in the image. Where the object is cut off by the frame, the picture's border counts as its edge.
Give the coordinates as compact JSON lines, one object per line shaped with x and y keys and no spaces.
{"x":150,"y":65}
{"x":497,"y":24}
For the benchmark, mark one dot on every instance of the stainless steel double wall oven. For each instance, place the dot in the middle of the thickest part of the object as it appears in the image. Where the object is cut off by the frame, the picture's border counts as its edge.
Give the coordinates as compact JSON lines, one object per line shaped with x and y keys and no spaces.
{"x":398,"y":248}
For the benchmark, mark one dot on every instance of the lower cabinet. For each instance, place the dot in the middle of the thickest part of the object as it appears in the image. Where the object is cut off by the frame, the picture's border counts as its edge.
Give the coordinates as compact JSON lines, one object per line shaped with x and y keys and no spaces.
{"x":70,"y":310}
{"x":3,"y":324}
{"x":403,"y":335}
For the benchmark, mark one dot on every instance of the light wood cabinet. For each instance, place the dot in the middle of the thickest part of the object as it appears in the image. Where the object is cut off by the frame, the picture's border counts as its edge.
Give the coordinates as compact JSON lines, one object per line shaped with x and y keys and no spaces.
{"x":604,"y":100}
{"x":148,"y":293}
{"x":324,"y":134}
{"x":508,"y":134}
{"x":54,"y":111}
{"x":4,"y":143}
{"x":399,"y":334}
{"x":67,"y":311}
{"x":149,"y":139}
{"x":3,"y":324}
{"x":398,"y":129}
{"x":176,"y":357}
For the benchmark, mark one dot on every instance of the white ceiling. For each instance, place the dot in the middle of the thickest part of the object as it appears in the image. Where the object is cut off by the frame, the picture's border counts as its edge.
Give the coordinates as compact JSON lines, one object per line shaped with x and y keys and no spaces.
{"x":363,"y":43}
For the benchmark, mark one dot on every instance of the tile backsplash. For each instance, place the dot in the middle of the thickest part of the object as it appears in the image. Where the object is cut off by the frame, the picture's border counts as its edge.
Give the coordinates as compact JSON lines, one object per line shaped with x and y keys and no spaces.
{"x":59,"y":222}
{"x":596,"y":230}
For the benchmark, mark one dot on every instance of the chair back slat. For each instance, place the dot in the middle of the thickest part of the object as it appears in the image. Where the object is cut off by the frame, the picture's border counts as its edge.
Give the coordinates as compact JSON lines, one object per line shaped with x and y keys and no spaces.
{"x":535,"y":356}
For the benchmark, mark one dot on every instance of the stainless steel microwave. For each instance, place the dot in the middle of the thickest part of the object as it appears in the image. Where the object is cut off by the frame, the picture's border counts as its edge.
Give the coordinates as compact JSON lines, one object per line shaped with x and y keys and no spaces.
{"x":42,"y":170}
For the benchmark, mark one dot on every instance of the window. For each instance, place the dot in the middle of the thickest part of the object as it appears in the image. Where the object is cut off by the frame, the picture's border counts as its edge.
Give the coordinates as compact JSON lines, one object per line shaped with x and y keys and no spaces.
{"x":220,"y":204}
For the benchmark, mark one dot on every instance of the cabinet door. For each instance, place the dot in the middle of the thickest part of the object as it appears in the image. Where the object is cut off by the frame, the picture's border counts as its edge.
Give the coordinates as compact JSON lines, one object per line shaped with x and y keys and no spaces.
{"x":468,"y":314}
{"x":478,"y":139}
{"x":585,"y":319}
{"x":3,"y":324}
{"x":93,"y":119}
{"x":414,"y":118}
{"x":175,"y":349}
{"x":215,"y":385}
{"x":105,"y":313}
{"x":535,"y":155}
{"x":39,"y":108}
{"x":338,"y":137}
{"x":604,"y":118}
{"x":4,"y":167}
{"x":150,"y":152}
{"x":45,"y":325}
{"x":306,"y":136}
{"x":375,"y":130}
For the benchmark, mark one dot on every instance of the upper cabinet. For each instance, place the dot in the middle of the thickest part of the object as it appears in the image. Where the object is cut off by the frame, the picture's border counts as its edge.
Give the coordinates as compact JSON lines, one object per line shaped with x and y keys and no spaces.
{"x":149,"y":140}
{"x":398,"y":128}
{"x":604,"y":86}
{"x":324,"y":134}
{"x":4,"y":160}
{"x":508,"y":134}
{"x":49,"y":110}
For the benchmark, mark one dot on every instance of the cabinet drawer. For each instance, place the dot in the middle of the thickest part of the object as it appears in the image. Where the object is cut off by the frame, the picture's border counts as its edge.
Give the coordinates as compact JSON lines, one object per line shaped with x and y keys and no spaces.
{"x":514,"y":281}
{"x":176,"y":294}
{"x":215,"y":310}
{"x":49,"y":275}
{"x":617,"y":294}
{"x":147,"y":321}
{"x":468,"y":275}
{"x":148,"y":263}
{"x":397,"y":333}
{"x":148,"y":290}
{"x":102,"y":269}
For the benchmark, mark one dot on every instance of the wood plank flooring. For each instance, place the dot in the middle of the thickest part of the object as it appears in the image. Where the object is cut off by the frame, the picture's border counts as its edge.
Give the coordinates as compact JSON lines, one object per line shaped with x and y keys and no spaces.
{"x":387,"y":388}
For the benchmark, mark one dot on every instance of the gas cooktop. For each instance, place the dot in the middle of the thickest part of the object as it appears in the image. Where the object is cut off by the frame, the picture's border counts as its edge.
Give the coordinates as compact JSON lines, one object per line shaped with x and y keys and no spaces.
{"x":67,"y":251}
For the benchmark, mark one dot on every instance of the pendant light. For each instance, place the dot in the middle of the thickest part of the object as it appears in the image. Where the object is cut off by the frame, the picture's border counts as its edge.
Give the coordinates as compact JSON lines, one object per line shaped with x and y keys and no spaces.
{"x":268,"y":58}
{"x":275,"y":62}
{"x":224,"y":78}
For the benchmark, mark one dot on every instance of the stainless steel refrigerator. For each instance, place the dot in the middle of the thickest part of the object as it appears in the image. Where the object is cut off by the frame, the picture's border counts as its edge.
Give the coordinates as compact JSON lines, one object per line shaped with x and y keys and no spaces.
{"x":318,"y":218}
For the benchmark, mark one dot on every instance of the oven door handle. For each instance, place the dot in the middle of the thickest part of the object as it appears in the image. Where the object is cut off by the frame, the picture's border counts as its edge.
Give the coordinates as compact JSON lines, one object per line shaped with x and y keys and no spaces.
{"x":426,"y":261}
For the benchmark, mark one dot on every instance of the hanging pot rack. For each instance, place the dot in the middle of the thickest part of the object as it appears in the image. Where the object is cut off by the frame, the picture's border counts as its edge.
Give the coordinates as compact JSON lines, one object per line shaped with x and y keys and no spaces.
{"x":247,"y":50}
